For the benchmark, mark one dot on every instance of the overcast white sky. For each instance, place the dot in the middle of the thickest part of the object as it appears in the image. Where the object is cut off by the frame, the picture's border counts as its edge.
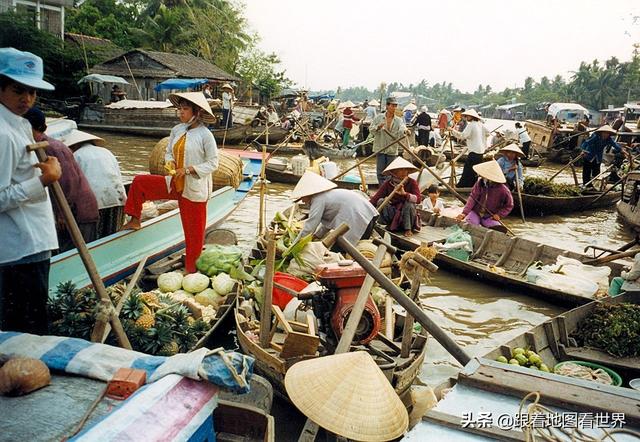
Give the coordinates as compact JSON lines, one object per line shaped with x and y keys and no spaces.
{"x":324,"y":44}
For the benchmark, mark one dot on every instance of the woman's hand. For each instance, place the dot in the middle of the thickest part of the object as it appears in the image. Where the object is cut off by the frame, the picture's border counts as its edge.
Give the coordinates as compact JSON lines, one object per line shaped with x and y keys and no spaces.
{"x":496,"y":217}
{"x":180,"y":172}
{"x":460,"y":217}
{"x":436,"y":210}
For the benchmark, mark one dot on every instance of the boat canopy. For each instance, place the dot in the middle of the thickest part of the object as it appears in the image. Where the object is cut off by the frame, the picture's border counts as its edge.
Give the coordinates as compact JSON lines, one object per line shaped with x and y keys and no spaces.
{"x":510,"y":106}
{"x":99,"y":78}
{"x":139,"y":104}
{"x":567,"y":108}
{"x":634,"y":106}
{"x":323,"y":97}
{"x":180,"y":83}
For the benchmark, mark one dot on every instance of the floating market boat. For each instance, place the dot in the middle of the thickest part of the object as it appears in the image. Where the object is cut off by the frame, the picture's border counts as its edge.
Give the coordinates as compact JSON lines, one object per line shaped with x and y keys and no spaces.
{"x":315,"y":150}
{"x":247,"y":133}
{"x":499,"y":258}
{"x":628,"y":206}
{"x":495,"y":390}
{"x":117,"y":256}
{"x":276,"y":175}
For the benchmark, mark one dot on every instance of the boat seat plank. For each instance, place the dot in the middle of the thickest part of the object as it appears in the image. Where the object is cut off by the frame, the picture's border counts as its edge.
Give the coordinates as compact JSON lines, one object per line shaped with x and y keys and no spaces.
{"x":430,"y":235}
{"x":600,"y":357}
{"x":456,"y":422}
{"x":554,"y":389}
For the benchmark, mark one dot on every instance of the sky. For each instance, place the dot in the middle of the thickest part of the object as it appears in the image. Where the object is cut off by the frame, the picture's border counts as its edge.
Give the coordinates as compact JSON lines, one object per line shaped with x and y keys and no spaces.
{"x":324,"y":44}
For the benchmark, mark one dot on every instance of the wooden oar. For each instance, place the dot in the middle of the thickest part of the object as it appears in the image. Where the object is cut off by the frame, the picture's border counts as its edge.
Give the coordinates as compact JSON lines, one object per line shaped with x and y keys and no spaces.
{"x":107,"y":312}
{"x":575,"y":160}
{"x":265,"y":311}
{"x":608,"y":169}
{"x":612,"y":257}
{"x":344,"y":172}
{"x":395,"y":190}
{"x":363,"y":181}
{"x":451,"y":189}
{"x":606,"y":192}
{"x":519,"y":192}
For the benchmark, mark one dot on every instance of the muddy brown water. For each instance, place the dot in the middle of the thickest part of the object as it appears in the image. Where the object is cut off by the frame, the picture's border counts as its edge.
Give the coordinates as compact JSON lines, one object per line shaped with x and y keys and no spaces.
{"x":480,"y":316}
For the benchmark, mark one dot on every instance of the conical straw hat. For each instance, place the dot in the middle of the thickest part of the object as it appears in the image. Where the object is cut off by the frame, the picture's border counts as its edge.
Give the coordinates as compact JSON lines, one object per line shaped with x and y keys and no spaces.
{"x":226,"y":86}
{"x":348,"y":395}
{"x":310,"y":184}
{"x":471,"y":113}
{"x":490,"y":170}
{"x":77,"y":136}
{"x":512,"y":148}
{"x":606,"y":128}
{"x":374,"y":102}
{"x":199,"y":100}
{"x":399,"y":163}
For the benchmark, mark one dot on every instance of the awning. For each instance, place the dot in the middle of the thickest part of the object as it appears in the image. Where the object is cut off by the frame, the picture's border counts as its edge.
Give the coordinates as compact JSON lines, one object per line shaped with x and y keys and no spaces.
{"x":510,"y":106}
{"x":99,"y":78}
{"x":558,"y":107}
{"x":180,"y":83}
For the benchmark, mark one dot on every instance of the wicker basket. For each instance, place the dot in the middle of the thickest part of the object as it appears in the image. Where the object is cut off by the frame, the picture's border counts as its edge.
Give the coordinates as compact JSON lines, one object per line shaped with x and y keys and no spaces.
{"x":229,"y":172}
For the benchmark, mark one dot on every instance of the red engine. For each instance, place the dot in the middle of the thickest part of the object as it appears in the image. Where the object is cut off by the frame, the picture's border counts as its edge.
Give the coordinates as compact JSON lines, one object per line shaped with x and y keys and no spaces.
{"x":345,"y":282}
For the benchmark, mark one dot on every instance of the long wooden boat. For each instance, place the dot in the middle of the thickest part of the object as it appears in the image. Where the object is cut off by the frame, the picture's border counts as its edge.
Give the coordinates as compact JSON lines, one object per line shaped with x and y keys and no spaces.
{"x":496,"y":388}
{"x":117,"y":256}
{"x":288,"y":177}
{"x":628,"y":206}
{"x":247,"y":133}
{"x":498,"y":258}
{"x":315,"y":150}
{"x":540,"y":205}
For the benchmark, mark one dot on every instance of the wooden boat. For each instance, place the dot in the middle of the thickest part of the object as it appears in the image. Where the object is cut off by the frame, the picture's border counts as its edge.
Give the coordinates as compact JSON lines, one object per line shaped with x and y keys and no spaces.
{"x":117,"y":256}
{"x":485,"y":385}
{"x":247,"y":133}
{"x":540,"y":205}
{"x":288,"y":177}
{"x":498,"y":258}
{"x":628,"y":206}
{"x":315,"y":150}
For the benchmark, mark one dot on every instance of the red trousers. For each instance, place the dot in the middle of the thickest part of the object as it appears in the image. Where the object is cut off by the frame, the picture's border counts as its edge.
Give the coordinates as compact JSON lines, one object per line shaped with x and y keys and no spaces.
{"x":193,"y":215}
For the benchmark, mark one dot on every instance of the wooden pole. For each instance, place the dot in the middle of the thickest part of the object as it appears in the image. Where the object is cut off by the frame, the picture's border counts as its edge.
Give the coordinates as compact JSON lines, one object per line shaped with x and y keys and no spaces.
{"x":611,"y":257}
{"x":396,"y":189}
{"x":631,"y":159}
{"x":263,"y":190}
{"x":519,"y":191}
{"x":407,"y":331}
{"x":105,"y":302}
{"x":363,"y":181}
{"x":411,"y":307}
{"x":452,"y":164}
{"x":343,"y":173}
{"x":606,"y":192}
{"x":575,"y":160}
{"x":265,"y":312}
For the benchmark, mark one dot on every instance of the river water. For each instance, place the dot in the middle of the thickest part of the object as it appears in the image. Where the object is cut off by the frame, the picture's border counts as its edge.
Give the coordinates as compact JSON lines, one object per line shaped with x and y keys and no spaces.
{"x":480,"y":316}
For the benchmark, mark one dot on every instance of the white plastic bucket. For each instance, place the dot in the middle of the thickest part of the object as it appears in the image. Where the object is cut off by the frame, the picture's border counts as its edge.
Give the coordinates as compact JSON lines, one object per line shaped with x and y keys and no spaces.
{"x":299,"y":164}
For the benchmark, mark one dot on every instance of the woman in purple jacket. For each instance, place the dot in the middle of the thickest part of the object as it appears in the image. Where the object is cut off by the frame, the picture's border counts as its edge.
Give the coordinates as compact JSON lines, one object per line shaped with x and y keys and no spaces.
{"x":490,"y":199}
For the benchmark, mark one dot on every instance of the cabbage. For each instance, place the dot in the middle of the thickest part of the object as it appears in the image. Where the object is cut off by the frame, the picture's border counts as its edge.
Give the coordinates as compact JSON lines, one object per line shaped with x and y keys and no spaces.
{"x":216,"y":259}
{"x":222,"y":283}
{"x":209,"y":297}
{"x":170,"y":282}
{"x":195,"y":282}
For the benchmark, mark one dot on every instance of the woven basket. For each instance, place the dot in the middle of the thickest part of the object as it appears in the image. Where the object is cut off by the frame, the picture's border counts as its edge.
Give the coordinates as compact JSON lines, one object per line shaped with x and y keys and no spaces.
{"x":229,"y":172}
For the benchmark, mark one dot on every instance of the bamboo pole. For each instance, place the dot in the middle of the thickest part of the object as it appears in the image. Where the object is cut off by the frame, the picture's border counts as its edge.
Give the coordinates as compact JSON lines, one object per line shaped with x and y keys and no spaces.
{"x":363,"y":181}
{"x":407,"y":331}
{"x":395,"y":190}
{"x":107,"y":312}
{"x":519,"y":191}
{"x":344,"y":172}
{"x":574,"y":160}
{"x":263,"y":190}
{"x":265,"y":312}
{"x":606,"y":191}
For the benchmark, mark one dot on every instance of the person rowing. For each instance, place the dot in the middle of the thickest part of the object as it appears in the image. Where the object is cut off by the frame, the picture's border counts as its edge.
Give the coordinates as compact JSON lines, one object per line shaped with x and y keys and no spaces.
{"x":490,"y":198}
{"x":510,"y":163}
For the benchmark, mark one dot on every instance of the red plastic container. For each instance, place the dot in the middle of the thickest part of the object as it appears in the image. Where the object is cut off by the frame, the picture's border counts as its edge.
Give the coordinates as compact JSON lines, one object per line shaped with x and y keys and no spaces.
{"x":282,"y":298}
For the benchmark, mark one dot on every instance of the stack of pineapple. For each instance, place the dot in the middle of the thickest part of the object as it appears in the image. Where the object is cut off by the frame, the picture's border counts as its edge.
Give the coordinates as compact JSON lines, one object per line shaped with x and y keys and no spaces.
{"x":154,"y":322}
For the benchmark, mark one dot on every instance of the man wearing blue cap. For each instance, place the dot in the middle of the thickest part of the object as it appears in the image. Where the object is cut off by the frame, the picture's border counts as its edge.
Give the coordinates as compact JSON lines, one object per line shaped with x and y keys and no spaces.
{"x":27,"y":229}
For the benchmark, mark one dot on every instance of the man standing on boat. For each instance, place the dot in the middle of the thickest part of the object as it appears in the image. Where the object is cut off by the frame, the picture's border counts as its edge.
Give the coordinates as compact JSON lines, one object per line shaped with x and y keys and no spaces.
{"x":386,"y":128}
{"x":593,"y":150}
{"x":475,"y":133}
{"x":330,"y":207}
{"x":227,"y":105}
{"x":348,"y":119}
{"x":524,"y":138}
{"x":26,"y":219}
{"x":370,"y":113}
{"x":423,"y":124}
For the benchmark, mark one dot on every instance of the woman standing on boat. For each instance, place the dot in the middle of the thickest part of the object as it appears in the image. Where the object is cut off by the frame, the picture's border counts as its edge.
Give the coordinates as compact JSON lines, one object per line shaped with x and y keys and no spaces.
{"x":490,"y":199}
{"x":191,"y":158}
{"x":475,"y":133}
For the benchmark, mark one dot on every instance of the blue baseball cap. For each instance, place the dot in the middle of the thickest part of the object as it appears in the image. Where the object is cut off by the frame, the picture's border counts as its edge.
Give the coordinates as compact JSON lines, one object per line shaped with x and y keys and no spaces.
{"x":23,"y":67}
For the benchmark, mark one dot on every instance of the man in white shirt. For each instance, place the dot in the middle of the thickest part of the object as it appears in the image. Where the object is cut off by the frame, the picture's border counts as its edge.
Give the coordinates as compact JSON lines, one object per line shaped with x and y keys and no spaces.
{"x":524,"y":138}
{"x":475,"y":133}
{"x":27,"y":227}
{"x":102,"y":170}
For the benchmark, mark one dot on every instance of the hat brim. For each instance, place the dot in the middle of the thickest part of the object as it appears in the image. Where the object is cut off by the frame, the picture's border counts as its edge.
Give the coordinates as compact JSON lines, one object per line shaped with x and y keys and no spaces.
{"x":32,"y":82}
{"x":205,"y":115}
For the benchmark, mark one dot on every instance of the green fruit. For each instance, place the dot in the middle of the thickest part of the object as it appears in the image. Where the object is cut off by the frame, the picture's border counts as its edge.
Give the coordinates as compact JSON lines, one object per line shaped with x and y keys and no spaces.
{"x":535,"y":360}
{"x":517,"y":351}
{"x":543,"y":367}
{"x":533,"y":367}
{"x":522,"y":359}
{"x":514,"y":362}
{"x":530,"y":353}
{"x":502,"y":359}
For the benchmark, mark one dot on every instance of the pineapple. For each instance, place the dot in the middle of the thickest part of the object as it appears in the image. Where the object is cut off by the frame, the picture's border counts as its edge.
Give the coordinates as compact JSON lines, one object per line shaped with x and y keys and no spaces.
{"x":133,"y":307}
{"x":146,"y":321}
{"x":150,"y":299}
{"x":169,"y":349}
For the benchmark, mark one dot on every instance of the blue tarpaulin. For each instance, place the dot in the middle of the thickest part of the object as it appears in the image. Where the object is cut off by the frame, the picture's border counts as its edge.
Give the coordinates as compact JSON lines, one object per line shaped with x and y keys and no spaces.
{"x":323,"y":97}
{"x":181,"y":83}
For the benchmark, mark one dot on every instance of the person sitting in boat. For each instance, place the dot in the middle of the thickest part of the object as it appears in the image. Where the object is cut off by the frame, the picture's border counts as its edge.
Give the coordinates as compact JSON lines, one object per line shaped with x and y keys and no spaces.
{"x":400,"y":213}
{"x":593,"y":150}
{"x":285,"y":122}
{"x":261,"y":117}
{"x":490,"y":199}
{"x":330,"y":207}
{"x":73,"y":182}
{"x":433,"y":203}
{"x":102,"y":170}
{"x":206,"y":90}
{"x":272,"y":115}
{"x":191,"y":158}
{"x":631,"y":274}
{"x":510,"y":163}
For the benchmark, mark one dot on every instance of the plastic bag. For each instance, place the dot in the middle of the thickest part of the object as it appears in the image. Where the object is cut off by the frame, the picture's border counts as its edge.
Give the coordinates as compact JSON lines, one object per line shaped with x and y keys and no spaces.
{"x":313,"y":255}
{"x":460,"y":238}
{"x":575,"y":286}
{"x":576,"y":269}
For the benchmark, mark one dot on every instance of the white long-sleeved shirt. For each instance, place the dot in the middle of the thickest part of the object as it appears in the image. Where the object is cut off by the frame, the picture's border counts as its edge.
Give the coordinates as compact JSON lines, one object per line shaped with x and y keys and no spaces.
{"x":201,"y":153}
{"x":330,"y":209}
{"x":102,"y":170}
{"x":428,"y":205}
{"x":523,"y":135}
{"x":476,"y":136}
{"x":26,"y":218}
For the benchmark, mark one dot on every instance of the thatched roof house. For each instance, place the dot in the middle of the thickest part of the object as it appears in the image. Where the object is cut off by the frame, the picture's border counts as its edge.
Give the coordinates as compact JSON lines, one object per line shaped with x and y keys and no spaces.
{"x":148,"y":68}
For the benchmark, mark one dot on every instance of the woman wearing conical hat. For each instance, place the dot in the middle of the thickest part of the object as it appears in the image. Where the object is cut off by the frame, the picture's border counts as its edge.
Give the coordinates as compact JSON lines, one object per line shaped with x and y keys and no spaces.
{"x":490,"y":198}
{"x":511,"y":166}
{"x":475,"y":133}
{"x":330,"y":207}
{"x":593,"y":149}
{"x":400,"y":214}
{"x":191,"y":158}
